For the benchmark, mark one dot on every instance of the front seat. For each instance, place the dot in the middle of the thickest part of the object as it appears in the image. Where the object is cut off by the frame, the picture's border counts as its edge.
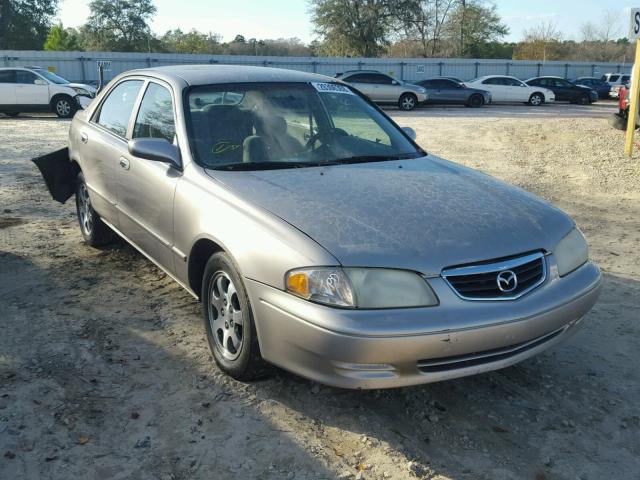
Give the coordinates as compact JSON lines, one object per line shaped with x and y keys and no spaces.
{"x":228,"y":127}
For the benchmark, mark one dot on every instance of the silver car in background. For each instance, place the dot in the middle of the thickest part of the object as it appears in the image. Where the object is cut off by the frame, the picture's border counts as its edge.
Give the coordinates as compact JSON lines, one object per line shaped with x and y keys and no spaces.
{"x":317,"y":234}
{"x":384,"y":89}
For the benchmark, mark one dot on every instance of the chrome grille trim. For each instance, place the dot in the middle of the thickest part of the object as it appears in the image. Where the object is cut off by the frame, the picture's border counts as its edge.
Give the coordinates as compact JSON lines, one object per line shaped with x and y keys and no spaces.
{"x":496,"y":267}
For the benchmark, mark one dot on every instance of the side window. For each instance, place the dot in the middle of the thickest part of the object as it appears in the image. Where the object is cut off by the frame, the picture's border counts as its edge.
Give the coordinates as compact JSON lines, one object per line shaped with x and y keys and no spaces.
{"x":614,"y":78}
{"x":24,"y":77}
{"x":7,"y":76}
{"x":428,"y":84}
{"x":494,"y":81}
{"x":562,"y":83}
{"x":625,"y":78}
{"x":382,"y":79}
{"x":512,"y":82}
{"x":358,"y":78}
{"x":116,"y":110}
{"x":155,"y":116}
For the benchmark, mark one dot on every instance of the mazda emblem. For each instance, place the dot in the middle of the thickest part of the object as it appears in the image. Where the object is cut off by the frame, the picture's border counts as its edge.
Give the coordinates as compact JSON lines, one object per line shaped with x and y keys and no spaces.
{"x":507,"y":281}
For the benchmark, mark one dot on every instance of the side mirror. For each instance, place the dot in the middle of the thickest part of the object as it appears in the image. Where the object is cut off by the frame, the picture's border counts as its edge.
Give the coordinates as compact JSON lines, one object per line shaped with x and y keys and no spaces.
{"x":156,"y":149}
{"x":39,"y":81}
{"x":411,"y":133}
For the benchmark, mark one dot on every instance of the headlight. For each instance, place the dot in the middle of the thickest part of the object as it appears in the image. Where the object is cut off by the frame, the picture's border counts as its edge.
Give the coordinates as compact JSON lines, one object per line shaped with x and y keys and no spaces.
{"x":83,"y":92}
{"x":571,"y":252}
{"x":422,"y":90}
{"x":361,"y":287}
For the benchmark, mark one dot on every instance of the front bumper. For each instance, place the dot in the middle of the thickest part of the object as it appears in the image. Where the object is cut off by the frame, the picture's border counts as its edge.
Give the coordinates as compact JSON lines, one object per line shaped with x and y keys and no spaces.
{"x":401,"y":347}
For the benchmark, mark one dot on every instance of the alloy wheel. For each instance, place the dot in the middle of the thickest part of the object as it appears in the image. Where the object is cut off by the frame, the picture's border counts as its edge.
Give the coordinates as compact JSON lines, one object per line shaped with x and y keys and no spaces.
{"x":63,"y":107}
{"x":226,"y":317}
{"x":85,"y":211}
{"x":408,"y":103}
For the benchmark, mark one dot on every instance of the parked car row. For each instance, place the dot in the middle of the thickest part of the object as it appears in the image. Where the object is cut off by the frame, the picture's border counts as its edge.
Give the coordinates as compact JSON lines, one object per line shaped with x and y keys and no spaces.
{"x":35,"y":89}
{"x":384,"y":89}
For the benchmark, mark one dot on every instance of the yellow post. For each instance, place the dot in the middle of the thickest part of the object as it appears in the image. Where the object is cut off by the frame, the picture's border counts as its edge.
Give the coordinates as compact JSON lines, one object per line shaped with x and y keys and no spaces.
{"x":633,"y":106}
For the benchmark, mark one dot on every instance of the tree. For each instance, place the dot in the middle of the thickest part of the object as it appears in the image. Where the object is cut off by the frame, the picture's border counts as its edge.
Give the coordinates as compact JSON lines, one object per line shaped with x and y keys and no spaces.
{"x":541,"y":42}
{"x":176,"y":41}
{"x":60,"y":39}
{"x":425,"y":20}
{"x":120,"y":25}
{"x":353,"y":27}
{"x":478,"y":27}
{"x":24,"y":24}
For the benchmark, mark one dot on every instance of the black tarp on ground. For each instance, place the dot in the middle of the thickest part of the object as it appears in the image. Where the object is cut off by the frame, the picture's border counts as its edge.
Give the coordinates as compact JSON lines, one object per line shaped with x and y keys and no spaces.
{"x":58,"y":174}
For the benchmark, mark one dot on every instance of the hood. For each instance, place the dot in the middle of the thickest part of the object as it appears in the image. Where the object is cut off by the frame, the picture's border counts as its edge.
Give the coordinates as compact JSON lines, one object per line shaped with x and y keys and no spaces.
{"x":423,"y":214}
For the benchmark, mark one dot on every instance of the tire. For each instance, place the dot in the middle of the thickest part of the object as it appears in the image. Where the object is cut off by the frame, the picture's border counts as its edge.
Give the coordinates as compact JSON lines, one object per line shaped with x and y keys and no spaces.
{"x":12,"y":114}
{"x":583,"y":99}
{"x":94,"y":231}
{"x":64,"y":106}
{"x":476,"y":100}
{"x":407,"y":102}
{"x":228,"y":320}
{"x":536,"y":99}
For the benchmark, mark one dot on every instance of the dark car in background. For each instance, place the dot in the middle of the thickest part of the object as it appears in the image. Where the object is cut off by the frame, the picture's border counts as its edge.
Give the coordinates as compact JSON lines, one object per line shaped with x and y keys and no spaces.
{"x":446,"y":91}
{"x":602,"y":88}
{"x":564,"y":90}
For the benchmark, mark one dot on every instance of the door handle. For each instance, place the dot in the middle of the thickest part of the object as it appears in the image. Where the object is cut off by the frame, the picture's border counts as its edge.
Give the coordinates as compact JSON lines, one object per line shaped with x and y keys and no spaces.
{"x":84,"y":137}
{"x":124,"y":163}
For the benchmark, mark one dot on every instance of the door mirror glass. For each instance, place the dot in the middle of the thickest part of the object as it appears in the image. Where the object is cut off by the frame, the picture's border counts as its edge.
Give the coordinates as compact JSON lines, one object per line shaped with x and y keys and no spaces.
{"x":156,"y":149}
{"x":39,"y":81}
{"x":411,"y":133}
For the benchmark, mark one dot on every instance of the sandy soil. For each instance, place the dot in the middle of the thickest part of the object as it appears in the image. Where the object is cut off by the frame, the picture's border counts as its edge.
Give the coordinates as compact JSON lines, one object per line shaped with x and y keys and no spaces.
{"x":105,"y":372}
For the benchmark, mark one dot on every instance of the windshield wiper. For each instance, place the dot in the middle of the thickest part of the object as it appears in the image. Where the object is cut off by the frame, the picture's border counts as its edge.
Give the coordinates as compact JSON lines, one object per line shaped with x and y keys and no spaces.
{"x":370,"y":158}
{"x":247,"y":166}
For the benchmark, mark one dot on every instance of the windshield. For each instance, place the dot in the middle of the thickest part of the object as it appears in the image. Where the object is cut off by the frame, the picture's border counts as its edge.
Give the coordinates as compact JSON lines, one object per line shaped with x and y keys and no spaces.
{"x":287,"y":125}
{"x":52,"y":77}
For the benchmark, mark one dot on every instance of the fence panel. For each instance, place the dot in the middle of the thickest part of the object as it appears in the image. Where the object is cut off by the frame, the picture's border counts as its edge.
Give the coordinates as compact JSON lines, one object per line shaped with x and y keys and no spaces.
{"x":82,"y":66}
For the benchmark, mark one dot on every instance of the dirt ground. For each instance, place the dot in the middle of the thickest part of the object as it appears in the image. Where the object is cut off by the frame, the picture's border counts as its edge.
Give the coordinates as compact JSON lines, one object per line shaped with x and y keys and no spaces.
{"x":105,"y":372}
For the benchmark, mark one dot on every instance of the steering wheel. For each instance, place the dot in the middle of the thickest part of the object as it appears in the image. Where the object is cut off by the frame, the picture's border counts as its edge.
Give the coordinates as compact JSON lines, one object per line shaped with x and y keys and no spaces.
{"x":338,"y":132}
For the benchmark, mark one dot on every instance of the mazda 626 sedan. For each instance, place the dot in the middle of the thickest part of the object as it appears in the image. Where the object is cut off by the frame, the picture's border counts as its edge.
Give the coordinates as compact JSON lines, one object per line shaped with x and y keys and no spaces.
{"x":318,"y":235}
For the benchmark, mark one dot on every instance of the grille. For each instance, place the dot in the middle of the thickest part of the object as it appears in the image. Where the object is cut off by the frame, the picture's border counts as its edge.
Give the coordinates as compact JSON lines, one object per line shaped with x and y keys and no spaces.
{"x":480,"y":282}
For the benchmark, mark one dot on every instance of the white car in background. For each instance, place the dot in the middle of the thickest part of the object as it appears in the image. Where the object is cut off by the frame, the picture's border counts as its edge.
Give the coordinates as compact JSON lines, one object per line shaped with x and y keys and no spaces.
{"x":35,"y":89}
{"x":509,"y":89}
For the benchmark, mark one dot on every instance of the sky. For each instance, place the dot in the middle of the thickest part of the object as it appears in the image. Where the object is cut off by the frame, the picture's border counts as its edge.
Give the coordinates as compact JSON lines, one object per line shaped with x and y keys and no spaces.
{"x":290,"y":18}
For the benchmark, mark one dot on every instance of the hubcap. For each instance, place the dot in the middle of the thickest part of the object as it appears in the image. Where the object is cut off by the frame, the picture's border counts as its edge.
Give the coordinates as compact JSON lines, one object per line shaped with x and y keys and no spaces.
{"x":63,"y":107}
{"x":407,"y":103}
{"x":84,"y":210}
{"x":225,"y":316}
{"x":536,"y":100}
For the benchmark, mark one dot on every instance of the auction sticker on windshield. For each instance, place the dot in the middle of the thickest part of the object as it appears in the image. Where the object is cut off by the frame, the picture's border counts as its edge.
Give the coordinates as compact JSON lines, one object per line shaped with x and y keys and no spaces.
{"x":331,"y":88}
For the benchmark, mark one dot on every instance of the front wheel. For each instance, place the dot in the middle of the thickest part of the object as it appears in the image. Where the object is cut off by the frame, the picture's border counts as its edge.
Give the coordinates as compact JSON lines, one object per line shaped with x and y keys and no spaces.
{"x":407,"y":102}
{"x":228,"y":320}
{"x":94,"y":231}
{"x":64,"y":107}
{"x":476,"y":101}
{"x":584,"y":99}
{"x":536,"y":99}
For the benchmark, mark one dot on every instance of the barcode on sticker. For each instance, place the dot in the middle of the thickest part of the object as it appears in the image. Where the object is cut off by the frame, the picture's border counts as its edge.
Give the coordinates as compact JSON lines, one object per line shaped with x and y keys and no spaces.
{"x":331,"y":88}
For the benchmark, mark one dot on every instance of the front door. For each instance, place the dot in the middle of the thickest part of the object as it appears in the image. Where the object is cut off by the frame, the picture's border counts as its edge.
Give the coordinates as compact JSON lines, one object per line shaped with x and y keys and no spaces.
{"x":105,"y":142}
{"x":146,"y":188}
{"x":30,"y":93}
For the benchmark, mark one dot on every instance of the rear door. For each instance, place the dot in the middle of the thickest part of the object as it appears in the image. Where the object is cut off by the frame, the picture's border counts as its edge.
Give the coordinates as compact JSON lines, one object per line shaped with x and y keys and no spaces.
{"x":431,"y":86}
{"x":105,"y":142}
{"x":145,"y":187}
{"x":7,"y":88}
{"x":28,"y":92}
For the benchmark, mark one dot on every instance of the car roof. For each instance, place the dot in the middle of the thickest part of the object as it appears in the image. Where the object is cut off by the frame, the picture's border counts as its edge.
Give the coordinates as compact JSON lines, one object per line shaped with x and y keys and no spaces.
{"x":212,"y":74}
